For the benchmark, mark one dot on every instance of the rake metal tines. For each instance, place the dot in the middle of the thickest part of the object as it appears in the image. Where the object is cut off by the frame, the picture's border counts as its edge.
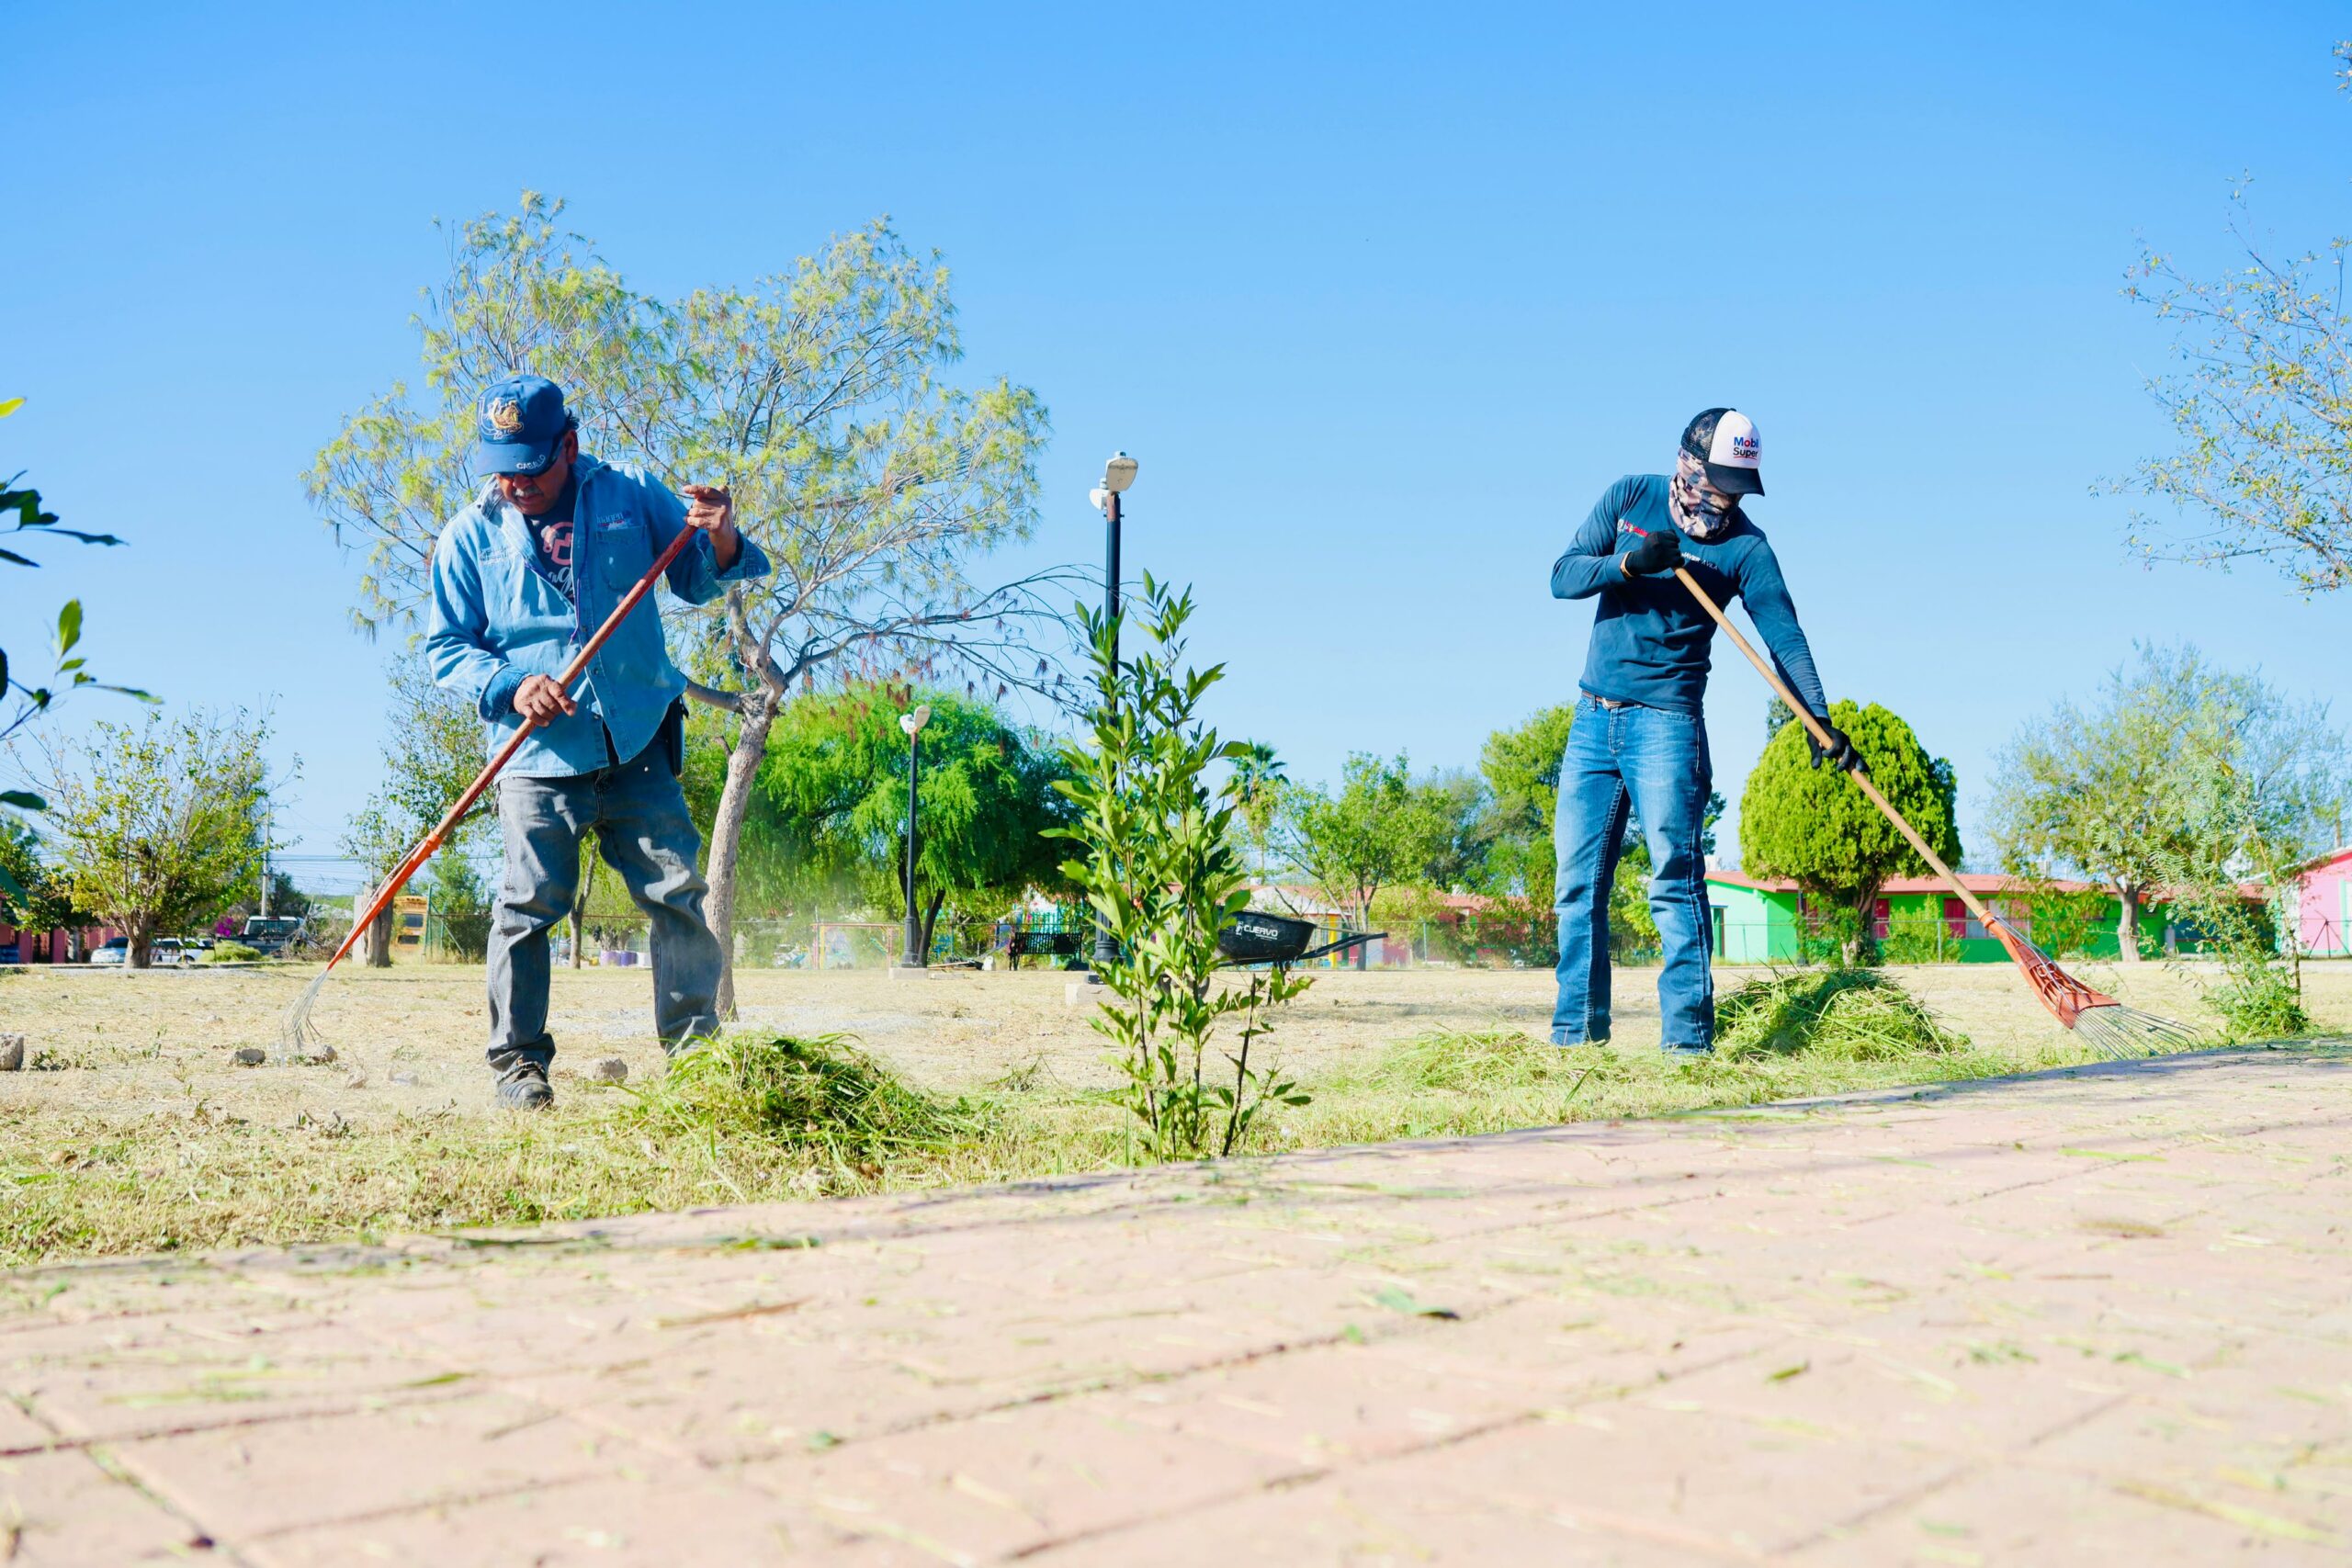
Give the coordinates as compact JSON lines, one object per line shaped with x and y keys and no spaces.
{"x":2111,"y":1028}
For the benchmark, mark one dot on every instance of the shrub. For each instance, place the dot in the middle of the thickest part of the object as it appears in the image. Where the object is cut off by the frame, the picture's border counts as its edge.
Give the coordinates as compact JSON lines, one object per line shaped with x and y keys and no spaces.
{"x":232,"y":952}
{"x":1160,"y":865}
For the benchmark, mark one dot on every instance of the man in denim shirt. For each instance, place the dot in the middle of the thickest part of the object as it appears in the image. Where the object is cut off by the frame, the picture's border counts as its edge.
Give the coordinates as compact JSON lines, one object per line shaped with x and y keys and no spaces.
{"x":1639,"y":743}
{"x":521,"y":580}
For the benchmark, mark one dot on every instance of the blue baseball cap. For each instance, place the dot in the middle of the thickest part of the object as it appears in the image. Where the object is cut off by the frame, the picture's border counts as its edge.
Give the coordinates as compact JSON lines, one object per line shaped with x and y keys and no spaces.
{"x":522,"y":420}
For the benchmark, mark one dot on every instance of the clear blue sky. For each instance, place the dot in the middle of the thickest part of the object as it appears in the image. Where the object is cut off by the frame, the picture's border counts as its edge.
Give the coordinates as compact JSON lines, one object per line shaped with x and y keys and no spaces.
{"x":1380,"y":296}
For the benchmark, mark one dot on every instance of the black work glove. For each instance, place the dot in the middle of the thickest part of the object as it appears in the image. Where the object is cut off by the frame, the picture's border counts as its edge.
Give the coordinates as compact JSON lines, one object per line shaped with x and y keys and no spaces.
{"x":1659,"y":551}
{"x":1839,"y":753}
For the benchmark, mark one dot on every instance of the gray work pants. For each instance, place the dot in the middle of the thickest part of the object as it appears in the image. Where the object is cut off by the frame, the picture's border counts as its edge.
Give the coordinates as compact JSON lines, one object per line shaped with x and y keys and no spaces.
{"x":639,"y":814}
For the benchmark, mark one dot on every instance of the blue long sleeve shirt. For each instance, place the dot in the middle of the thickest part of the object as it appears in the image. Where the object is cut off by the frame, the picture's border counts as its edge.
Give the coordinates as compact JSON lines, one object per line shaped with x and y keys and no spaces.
{"x":1651,"y":642}
{"x":498,"y":616}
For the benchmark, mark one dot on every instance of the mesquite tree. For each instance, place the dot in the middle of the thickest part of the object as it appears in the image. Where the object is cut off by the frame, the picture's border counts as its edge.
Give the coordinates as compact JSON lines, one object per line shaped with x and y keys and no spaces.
{"x":817,"y":395}
{"x":2117,"y":790}
{"x":2261,"y":409}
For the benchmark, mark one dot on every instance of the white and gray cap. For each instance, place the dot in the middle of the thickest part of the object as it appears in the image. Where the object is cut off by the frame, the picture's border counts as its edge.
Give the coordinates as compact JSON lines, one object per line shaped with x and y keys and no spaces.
{"x":1726,"y":442}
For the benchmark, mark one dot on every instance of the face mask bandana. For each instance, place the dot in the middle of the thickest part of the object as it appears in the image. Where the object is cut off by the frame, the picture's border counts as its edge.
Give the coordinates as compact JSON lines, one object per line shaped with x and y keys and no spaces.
{"x":1698,"y":508}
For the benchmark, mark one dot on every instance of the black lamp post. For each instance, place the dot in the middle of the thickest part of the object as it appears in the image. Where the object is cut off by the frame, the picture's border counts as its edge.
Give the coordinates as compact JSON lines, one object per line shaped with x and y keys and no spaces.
{"x":1117,"y":475}
{"x":912,"y":723}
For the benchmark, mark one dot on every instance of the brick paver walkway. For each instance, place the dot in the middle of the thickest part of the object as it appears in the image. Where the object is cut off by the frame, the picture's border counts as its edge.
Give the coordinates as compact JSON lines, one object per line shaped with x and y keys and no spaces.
{"x":2093,"y":1316}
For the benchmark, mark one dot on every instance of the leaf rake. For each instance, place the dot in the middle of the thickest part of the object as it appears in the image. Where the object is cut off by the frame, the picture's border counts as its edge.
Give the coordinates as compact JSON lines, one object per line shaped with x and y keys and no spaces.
{"x":2110,"y":1028}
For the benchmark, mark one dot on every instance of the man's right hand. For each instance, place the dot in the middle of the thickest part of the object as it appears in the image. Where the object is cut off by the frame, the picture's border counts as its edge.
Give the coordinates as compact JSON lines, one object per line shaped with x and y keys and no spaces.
{"x":539,"y":699}
{"x":1658,"y":551}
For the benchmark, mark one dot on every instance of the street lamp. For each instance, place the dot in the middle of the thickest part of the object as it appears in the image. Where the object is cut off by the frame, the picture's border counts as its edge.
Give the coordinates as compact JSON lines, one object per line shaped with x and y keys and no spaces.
{"x":1118,"y":473}
{"x":912,"y":723}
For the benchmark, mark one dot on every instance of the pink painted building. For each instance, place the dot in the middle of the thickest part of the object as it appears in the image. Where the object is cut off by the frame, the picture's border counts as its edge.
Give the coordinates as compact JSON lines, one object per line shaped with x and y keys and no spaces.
{"x":2324,"y":905}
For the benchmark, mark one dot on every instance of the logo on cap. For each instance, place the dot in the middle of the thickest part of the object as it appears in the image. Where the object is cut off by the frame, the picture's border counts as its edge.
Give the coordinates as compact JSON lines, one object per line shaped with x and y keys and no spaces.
{"x":506,"y":416}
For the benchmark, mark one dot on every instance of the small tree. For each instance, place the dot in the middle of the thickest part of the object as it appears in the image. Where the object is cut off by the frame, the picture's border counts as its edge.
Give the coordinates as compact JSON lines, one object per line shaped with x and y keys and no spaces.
{"x":2262,"y":415}
{"x":2121,"y":791}
{"x":835,"y":780}
{"x":463,"y":904}
{"x":34,"y":895}
{"x":1158,"y":865}
{"x":157,"y":829}
{"x":1813,"y":826}
{"x":1377,"y":831}
{"x":1521,"y":768}
{"x":26,"y":522}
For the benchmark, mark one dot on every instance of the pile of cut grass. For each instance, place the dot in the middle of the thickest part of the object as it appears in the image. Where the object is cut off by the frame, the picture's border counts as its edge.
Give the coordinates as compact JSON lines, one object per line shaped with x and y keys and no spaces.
{"x":1850,"y":1015}
{"x":750,"y":1119}
{"x":1812,"y":1032}
{"x":822,"y":1097}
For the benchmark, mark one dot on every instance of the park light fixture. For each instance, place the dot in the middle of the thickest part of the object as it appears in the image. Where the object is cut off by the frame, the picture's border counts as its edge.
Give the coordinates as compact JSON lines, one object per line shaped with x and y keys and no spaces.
{"x":914,"y":957}
{"x":1118,"y":473}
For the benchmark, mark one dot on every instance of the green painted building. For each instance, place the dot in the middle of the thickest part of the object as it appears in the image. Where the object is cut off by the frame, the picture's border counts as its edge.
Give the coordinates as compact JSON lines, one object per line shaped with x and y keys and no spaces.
{"x":1759,"y":920}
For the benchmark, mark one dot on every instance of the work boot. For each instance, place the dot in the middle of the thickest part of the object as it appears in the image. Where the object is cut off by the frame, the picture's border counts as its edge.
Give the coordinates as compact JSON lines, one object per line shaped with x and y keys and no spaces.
{"x":522,"y":1082}
{"x":677,"y":1049}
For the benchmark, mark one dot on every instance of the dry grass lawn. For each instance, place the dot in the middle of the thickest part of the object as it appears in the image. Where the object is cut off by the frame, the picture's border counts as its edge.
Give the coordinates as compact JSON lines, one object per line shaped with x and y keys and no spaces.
{"x":136,"y":1130}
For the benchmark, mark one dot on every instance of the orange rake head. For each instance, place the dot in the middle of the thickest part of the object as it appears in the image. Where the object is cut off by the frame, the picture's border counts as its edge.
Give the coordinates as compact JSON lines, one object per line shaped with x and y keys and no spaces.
{"x":2109,"y":1026}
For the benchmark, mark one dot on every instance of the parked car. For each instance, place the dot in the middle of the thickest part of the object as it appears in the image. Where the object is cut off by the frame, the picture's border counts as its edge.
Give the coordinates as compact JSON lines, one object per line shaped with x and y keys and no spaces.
{"x":163,"y":953}
{"x":271,"y":935}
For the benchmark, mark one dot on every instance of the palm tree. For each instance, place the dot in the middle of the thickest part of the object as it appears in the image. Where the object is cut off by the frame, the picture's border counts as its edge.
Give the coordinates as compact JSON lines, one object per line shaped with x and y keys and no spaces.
{"x":1261,"y":774}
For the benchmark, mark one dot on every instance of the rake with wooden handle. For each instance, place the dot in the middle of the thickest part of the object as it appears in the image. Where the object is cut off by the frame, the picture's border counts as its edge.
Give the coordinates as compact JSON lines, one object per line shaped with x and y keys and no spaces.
{"x":295,"y":1030}
{"x":2109,"y":1026}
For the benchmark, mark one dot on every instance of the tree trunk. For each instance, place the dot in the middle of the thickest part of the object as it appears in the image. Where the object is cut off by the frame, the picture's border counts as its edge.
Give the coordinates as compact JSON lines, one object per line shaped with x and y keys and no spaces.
{"x":930,"y":921}
{"x":378,"y":943}
{"x":726,"y":833}
{"x":141,"y":933}
{"x":586,"y":890}
{"x":2127,"y":922}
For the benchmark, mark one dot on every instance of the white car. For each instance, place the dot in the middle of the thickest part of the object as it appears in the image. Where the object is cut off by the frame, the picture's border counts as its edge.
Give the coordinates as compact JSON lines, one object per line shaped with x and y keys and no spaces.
{"x":165,"y":952}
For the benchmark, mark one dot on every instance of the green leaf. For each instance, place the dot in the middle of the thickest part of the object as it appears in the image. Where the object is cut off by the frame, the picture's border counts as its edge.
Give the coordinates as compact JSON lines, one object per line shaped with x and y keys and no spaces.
{"x":9,"y":406}
{"x":69,"y":626}
{"x":1396,"y":1300}
{"x":23,"y":800}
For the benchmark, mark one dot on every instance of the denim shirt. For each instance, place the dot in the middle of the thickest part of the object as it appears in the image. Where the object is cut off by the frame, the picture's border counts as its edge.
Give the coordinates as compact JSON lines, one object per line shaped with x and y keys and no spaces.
{"x":497,"y":618}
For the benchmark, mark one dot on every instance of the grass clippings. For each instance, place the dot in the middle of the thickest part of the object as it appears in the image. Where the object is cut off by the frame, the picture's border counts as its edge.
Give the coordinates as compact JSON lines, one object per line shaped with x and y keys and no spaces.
{"x":1849,"y":1015}
{"x":761,"y":1117}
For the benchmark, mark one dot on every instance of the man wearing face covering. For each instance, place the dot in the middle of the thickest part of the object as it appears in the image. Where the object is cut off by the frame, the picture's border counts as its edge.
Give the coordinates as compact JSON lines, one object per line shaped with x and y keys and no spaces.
{"x":1639,"y":749}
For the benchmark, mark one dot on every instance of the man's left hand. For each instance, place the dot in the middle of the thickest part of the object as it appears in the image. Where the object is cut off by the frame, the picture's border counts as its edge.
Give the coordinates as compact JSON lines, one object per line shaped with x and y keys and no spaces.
{"x":712,"y":509}
{"x":1839,"y":753}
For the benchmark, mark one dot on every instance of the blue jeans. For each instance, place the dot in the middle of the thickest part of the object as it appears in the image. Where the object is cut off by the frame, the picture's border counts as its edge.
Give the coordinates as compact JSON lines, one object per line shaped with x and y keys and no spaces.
{"x":1650,"y":764}
{"x":639,"y":814}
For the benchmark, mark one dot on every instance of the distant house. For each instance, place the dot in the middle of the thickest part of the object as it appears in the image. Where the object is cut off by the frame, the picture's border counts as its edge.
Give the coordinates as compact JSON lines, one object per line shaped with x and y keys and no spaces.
{"x":51,"y":947}
{"x":2324,"y":905}
{"x":1759,"y":919}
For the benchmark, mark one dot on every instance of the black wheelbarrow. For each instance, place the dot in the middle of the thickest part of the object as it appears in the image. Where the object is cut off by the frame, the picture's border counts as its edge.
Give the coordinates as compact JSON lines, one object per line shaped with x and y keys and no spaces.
{"x":1256,"y":938}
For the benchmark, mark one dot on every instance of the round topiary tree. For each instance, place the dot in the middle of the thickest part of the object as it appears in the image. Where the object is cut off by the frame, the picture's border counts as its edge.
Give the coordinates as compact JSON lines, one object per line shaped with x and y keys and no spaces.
{"x":1815,"y":828}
